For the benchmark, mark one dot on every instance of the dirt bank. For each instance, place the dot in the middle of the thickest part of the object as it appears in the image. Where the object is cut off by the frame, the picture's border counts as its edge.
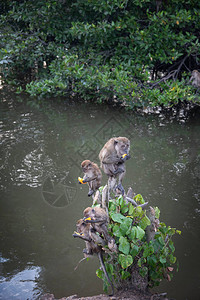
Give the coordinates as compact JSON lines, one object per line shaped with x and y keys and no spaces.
{"x":125,"y":295}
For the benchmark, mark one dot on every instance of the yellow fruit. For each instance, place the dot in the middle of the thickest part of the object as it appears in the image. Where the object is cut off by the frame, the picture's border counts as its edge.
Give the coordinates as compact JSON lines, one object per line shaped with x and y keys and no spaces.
{"x":81,"y":180}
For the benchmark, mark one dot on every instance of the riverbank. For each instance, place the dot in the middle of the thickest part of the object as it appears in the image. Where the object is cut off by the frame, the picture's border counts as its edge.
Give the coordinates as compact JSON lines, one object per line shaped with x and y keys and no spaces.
{"x":125,"y":295}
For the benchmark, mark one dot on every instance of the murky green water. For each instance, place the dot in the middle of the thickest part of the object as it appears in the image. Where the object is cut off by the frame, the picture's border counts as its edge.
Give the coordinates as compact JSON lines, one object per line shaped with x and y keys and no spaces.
{"x":41,"y":151}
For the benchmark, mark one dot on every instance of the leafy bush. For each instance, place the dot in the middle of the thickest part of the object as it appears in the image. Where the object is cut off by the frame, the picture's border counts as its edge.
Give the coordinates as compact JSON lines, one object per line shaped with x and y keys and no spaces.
{"x":134,"y":52}
{"x":154,"y":258}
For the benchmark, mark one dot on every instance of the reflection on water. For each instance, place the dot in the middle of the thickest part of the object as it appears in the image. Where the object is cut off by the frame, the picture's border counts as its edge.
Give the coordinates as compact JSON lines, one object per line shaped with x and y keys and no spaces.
{"x":41,"y":148}
{"x":21,"y":286}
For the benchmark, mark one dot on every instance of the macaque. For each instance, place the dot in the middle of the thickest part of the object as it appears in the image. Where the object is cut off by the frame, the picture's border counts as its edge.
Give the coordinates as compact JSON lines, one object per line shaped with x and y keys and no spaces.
{"x":112,"y":157}
{"x":195,"y":78}
{"x":87,"y":232}
{"x":99,"y":220}
{"x":84,"y":232}
{"x":92,"y":175}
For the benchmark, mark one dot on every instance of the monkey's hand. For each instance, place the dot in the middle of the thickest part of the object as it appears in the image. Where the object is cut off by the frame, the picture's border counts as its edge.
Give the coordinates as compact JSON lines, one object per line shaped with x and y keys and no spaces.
{"x":76,"y":234}
{"x":81,"y":180}
{"x":81,"y":236}
{"x":125,"y":157}
{"x":87,"y":220}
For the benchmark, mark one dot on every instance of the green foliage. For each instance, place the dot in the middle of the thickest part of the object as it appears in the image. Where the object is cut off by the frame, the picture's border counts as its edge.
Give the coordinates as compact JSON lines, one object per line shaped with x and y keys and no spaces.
{"x":106,"y":51}
{"x":128,"y":225}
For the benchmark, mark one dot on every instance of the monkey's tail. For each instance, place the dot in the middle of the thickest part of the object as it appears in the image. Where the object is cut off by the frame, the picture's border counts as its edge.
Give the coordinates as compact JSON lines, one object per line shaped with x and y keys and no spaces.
{"x":105,"y":272}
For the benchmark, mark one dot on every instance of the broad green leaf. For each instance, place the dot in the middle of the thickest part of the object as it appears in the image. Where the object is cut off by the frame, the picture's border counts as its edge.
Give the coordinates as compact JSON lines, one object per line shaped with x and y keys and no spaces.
{"x":117,"y":231}
{"x":148,"y":250}
{"x":124,"y":245}
{"x":125,"y":260}
{"x":144,"y":222}
{"x":138,"y":198}
{"x":162,"y":260}
{"x":125,"y":275}
{"x":157,"y":212}
{"x":117,"y":217}
{"x":130,"y":209}
{"x":134,"y":251}
{"x":124,"y":227}
{"x":99,"y":273}
{"x":132,"y":234}
{"x":139,"y":233}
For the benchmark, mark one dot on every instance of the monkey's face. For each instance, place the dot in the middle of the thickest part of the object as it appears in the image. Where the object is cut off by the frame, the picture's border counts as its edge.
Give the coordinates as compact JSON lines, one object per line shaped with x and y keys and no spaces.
{"x":82,"y":227}
{"x":89,"y":212}
{"x":86,"y":165}
{"x":122,"y":146}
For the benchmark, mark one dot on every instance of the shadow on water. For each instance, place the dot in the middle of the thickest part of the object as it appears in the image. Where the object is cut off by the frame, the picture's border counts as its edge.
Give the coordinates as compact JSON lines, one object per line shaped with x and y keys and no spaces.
{"x":41,"y":149}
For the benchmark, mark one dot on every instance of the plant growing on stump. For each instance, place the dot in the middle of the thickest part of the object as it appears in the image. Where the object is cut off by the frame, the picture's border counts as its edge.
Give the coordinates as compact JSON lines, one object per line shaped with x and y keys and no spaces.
{"x":145,"y":248}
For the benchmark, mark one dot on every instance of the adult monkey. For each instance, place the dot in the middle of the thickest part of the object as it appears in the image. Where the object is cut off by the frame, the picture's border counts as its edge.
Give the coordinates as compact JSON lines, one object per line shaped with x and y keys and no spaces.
{"x":98,"y":218}
{"x":112,"y":158}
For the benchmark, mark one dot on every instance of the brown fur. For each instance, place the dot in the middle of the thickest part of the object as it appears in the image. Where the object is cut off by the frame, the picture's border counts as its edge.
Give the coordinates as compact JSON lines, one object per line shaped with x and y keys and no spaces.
{"x":92,"y":175}
{"x":112,"y":161}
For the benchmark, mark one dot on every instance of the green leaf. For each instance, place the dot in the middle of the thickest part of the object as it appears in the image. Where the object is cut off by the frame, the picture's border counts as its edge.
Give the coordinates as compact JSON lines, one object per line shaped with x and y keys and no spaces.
{"x":124,"y":245}
{"x":130,"y":209}
{"x":99,"y":273}
{"x":124,"y":227}
{"x":172,"y":259}
{"x":157,"y":212}
{"x":148,"y":250}
{"x":152,"y":260}
{"x":116,"y":230}
{"x":138,"y":198}
{"x":143,"y":271}
{"x":134,"y":251}
{"x":139,"y":233}
{"x":125,"y":260}
{"x":125,"y":275}
{"x":163,"y":260}
{"x":144,"y":222}
{"x":117,"y":217}
{"x":171,"y":246}
{"x":132,"y":234}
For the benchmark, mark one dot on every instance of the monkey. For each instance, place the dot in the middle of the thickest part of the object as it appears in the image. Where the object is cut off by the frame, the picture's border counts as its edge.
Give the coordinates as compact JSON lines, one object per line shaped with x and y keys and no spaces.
{"x":112,"y":158}
{"x":99,"y":220}
{"x":98,"y":217}
{"x":92,"y":175}
{"x":195,"y":78}
{"x":85,"y":232}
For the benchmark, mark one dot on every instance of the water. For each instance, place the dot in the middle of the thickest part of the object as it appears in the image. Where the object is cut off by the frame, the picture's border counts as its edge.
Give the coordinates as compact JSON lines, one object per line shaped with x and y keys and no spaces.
{"x":41,"y":149}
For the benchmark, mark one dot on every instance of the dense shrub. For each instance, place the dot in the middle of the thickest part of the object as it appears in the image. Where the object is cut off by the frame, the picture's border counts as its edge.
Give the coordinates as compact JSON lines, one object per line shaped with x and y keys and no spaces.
{"x":134,"y":52}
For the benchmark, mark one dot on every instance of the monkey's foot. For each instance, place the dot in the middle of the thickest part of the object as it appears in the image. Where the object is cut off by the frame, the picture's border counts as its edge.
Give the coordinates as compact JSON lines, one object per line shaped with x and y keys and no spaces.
{"x":88,"y":253}
{"x":91,"y":192}
{"x":120,"y":187}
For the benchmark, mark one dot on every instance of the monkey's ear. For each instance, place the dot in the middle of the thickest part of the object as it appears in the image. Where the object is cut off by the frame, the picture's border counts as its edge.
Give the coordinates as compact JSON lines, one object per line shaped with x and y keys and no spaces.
{"x":115,"y":142}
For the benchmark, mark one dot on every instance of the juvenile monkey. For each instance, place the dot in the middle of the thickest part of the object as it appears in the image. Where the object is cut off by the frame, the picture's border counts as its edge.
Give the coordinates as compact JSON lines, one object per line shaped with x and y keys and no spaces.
{"x":195,"y":78}
{"x":85,"y":232}
{"x":92,"y":175}
{"x":112,"y":158}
